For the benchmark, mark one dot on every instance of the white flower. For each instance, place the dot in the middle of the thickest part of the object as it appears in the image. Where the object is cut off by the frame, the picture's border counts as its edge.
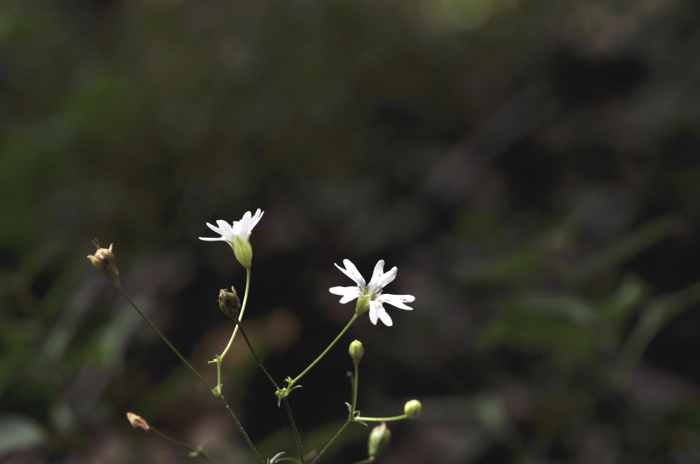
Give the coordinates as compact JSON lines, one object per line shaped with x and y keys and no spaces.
{"x":371,"y":293}
{"x":237,"y":235}
{"x":241,"y":228}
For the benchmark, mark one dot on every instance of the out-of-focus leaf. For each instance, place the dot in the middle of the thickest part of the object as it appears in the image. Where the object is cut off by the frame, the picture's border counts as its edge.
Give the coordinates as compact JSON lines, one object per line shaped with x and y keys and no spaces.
{"x":19,"y":432}
{"x":622,"y":251}
{"x":507,"y":268}
{"x":15,"y":350}
{"x":685,"y":415}
{"x":103,"y":104}
{"x":561,"y":306}
{"x":655,"y":316}
{"x":619,"y":305}
{"x":463,"y":15}
{"x":536,"y":331}
{"x":491,"y":414}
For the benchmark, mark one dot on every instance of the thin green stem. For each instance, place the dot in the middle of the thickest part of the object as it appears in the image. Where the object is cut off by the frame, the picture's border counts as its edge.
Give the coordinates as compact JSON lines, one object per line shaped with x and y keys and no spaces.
{"x":198,"y":451}
{"x":216,"y":391}
{"x":163,"y":337}
{"x":337,"y":434}
{"x":220,"y":358}
{"x":297,"y":437}
{"x":381,"y":419}
{"x":291,"y":384}
{"x":240,"y":428}
{"x":240,"y":316}
{"x":260,"y":364}
{"x":354,"y":389}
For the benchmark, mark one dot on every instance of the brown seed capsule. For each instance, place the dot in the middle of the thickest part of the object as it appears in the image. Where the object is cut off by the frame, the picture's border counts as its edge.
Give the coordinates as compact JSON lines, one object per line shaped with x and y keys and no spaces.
{"x":137,"y":422}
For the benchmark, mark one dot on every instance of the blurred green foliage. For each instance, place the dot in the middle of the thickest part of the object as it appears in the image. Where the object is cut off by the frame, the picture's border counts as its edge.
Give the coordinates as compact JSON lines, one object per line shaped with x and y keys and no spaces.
{"x":531,"y":166}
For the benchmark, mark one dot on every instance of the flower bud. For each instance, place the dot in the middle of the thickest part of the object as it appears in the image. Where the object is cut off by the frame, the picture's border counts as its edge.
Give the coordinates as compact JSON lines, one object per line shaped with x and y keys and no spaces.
{"x":229,"y":303}
{"x":413,"y":409}
{"x":356,"y":351}
{"x":378,"y":441}
{"x":362,"y":305}
{"x":103,"y":260}
{"x":137,"y":422}
{"x":243,"y":251}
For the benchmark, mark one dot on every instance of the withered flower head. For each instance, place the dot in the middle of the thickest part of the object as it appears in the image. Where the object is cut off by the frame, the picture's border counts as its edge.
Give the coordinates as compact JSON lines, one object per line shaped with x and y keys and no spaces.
{"x":137,"y":422}
{"x":103,"y":260}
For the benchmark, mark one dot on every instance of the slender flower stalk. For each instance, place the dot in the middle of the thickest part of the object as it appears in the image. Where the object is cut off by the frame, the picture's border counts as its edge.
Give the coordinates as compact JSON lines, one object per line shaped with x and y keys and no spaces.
{"x":337,"y":434}
{"x":356,"y":352}
{"x":355,"y":381}
{"x":219,"y":358}
{"x":380,"y":419}
{"x":252,"y":351}
{"x":139,"y":422}
{"x":240,"y":316}
{"x":298,"y":377}
{"x":162,"y":337}
{"x":216,"y":391}
{"x":412,"y":409}
{"x":297,"y":437}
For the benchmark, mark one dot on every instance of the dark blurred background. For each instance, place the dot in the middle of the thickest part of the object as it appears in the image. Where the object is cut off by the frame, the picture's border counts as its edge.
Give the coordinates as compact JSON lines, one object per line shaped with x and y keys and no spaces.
{"x":531,"y":167}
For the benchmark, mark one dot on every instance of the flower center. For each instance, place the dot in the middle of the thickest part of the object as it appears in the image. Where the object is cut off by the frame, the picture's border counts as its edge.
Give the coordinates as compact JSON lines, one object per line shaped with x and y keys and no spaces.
{"x":371,"y":295}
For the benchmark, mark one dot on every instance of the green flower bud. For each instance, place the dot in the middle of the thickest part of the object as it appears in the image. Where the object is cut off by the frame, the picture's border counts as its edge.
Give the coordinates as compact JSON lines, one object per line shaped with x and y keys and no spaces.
{"x":413,"y":409}
{"x":103,"y":260}
{"x":378,"y":441}
{"x":362,"y":305}
{"x":229,"y":303}
{"x":243,"y":251}
{"x":356,"y":351}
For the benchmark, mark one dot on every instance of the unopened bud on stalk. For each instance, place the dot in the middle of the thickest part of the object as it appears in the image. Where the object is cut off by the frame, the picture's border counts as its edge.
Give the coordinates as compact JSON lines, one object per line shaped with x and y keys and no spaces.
{"x":379,"y":439}
{"x":413,"y":409}
{"x":137,"y":422}
{"x":103,"y":260}
{"x":229,"y":303}
{"x":356,"y":351}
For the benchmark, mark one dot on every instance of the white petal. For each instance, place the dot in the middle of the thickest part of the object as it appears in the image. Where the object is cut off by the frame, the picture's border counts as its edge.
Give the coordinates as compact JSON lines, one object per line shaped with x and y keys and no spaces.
{"x":388,"y":278}
{"x":224,"y":229}
{"x":247,"y":223}
{"x":384,"y":316}
{"x":223,"y":225}
{"x":348,"y":293}
{"x":377,"y":274}
{"x":397,"y":300}
{"x":210,"y":239}
{"x":256,"y":218}
{"x":215,"y":229}
{"x":352,"y":272}
{"x":373,"y":310}
{"x":236,"y":228}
